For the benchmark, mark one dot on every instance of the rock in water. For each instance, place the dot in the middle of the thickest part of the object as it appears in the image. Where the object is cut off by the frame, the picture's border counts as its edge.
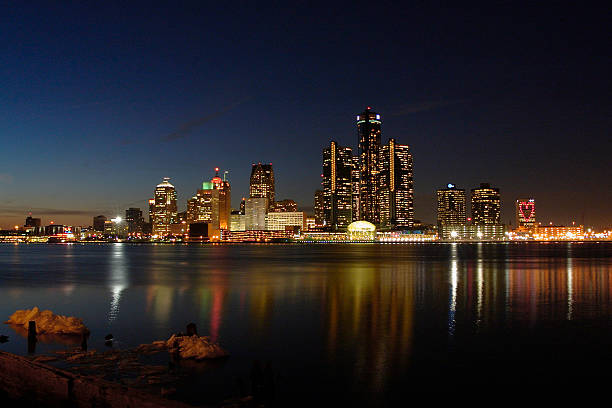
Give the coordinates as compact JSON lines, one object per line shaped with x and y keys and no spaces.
{"x":196,"y":347}
{"x":48,"y":323}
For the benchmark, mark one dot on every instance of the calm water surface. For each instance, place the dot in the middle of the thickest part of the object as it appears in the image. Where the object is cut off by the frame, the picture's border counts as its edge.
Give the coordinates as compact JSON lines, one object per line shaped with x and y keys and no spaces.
{"x":372,"y":323}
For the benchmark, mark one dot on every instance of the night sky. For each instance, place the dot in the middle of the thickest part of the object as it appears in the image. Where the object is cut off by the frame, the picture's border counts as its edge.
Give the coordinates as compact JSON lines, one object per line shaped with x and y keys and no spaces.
{"x":98,"y":102}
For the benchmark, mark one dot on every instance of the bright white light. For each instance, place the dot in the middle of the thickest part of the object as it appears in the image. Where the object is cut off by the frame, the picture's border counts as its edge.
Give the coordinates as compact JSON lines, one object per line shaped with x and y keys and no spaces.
{"x":454,"y":234}
{"x":479,"y":234}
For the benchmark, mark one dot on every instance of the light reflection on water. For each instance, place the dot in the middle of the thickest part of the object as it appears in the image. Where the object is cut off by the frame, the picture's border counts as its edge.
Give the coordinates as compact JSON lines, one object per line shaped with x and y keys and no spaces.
{"x":372,"y":318}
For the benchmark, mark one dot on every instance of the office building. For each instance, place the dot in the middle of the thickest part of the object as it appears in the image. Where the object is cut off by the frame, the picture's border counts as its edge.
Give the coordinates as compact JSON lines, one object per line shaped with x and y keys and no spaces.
{"x":525,"y":213}
{"x":319,"y":206}
{"x":284,"y":206}
{"x":164,"y":210}
{"x":32,"y":222}
{"x":396,"y":191}
{"x":486,"y":205}
{"x":98,"y":223}
{"x":134,"y":220}
{"x":369,"y":134}
{"x":451,"y":206}
{"x":255,"y":213}
{"x":337,"y":187}
{"x":225,"y":204}
{"x":285,"y":221}
{"x":262,"y":182}
{"x":237,"y":221}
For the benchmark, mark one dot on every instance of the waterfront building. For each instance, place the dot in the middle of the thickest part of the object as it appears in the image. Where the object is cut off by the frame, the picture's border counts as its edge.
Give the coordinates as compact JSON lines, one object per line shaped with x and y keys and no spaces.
{"x":98,"y":223}
{"x":54,"y":229}
{"x":32,"y":222}
{"x":319,"y":207}
{"x":262,"y":182}
{"x":486,"y":205}
{"x":451,"y":205}
{"x":281,"y":221}
{"x":361,"y":231}
{"x":134,"y":220}
{"x":558,"y":232}
{"x":108,"y":227}
{"x":237,"y":221}
{"x":255,"y":213}
{"x":284,"y":206}
{"x":337,"y":195}
{"x":310,"y":223}
{"x":118,"y":227}
{"x":165,"y":209}
{"x":178,"y":229}
{"x":396,"y":194}
{"x":369,"y":134}
{"x":525,"y":213}
{"x":469,"y":232}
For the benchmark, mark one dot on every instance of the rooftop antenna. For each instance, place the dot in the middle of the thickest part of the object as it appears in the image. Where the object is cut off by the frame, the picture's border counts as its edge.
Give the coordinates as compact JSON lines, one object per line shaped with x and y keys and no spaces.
{"x":225,"y":174}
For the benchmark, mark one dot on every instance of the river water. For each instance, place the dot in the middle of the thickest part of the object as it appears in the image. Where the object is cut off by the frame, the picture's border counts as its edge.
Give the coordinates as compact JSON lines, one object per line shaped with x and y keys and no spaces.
{"x":356,"y":324}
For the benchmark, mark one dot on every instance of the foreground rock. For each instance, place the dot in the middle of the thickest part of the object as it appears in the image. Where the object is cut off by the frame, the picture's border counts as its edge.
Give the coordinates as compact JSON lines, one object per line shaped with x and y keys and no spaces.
{"x":187,"y":347}
{"x":48,"y":323}
{"x":196,"y":347}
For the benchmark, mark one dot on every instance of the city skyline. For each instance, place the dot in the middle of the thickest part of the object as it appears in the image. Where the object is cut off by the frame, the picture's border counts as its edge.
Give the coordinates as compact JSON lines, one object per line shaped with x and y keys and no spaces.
{"x":518,"y":101}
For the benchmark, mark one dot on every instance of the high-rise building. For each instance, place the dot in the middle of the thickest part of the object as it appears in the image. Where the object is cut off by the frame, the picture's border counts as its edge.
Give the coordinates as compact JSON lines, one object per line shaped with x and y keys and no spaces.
{"x":204,"y":206}
{"x":134,"y":220}
{"x":451,"y":206}
{"x":284,"y":206}
{"x":211,"y":204}
{"x":98,"y":222}
{"x":32,"y":222}
{"x":225,"y":202}
{"x":355,"y":177}
{"x":255,"y":213}
{"x":165,"y":210}
{"x":486,"y":205}
{"x":369,"y":132}
{"x":319,"y":207}
{"x":396,"y":194}
{"x":525,"y":213}
{"x":337,"y":186}
{"x":262,"y":182}
{"x":242,"y":205}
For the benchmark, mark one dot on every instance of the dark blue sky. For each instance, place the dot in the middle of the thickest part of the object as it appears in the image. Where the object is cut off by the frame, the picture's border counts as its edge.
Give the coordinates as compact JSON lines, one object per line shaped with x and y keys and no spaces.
{"x":100,"y":101}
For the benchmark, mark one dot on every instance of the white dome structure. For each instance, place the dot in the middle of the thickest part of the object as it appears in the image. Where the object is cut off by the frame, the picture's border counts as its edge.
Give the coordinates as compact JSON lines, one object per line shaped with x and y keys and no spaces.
{"x":361,"y":231}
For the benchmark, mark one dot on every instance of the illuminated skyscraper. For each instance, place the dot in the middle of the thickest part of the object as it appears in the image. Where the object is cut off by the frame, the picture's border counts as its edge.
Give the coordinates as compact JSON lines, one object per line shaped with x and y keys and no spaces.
{"x":355,"y":177}
{"x":451,"y":206}
{"x":396,"y":192}
{"x":225,"y":204}
{"x":262,"y":182}
{"x":486,"y":205}
{"x":319,"y":207}
{"x":165,"y":211}
{"x":337,"y":187}
{"x":525,"y":212}
{"x":211,"y":204}
{"x":369,"y":132}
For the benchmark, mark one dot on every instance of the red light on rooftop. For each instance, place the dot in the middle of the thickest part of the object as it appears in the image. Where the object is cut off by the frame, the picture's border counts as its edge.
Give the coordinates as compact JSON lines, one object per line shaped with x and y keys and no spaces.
{"x":216,"y":169}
